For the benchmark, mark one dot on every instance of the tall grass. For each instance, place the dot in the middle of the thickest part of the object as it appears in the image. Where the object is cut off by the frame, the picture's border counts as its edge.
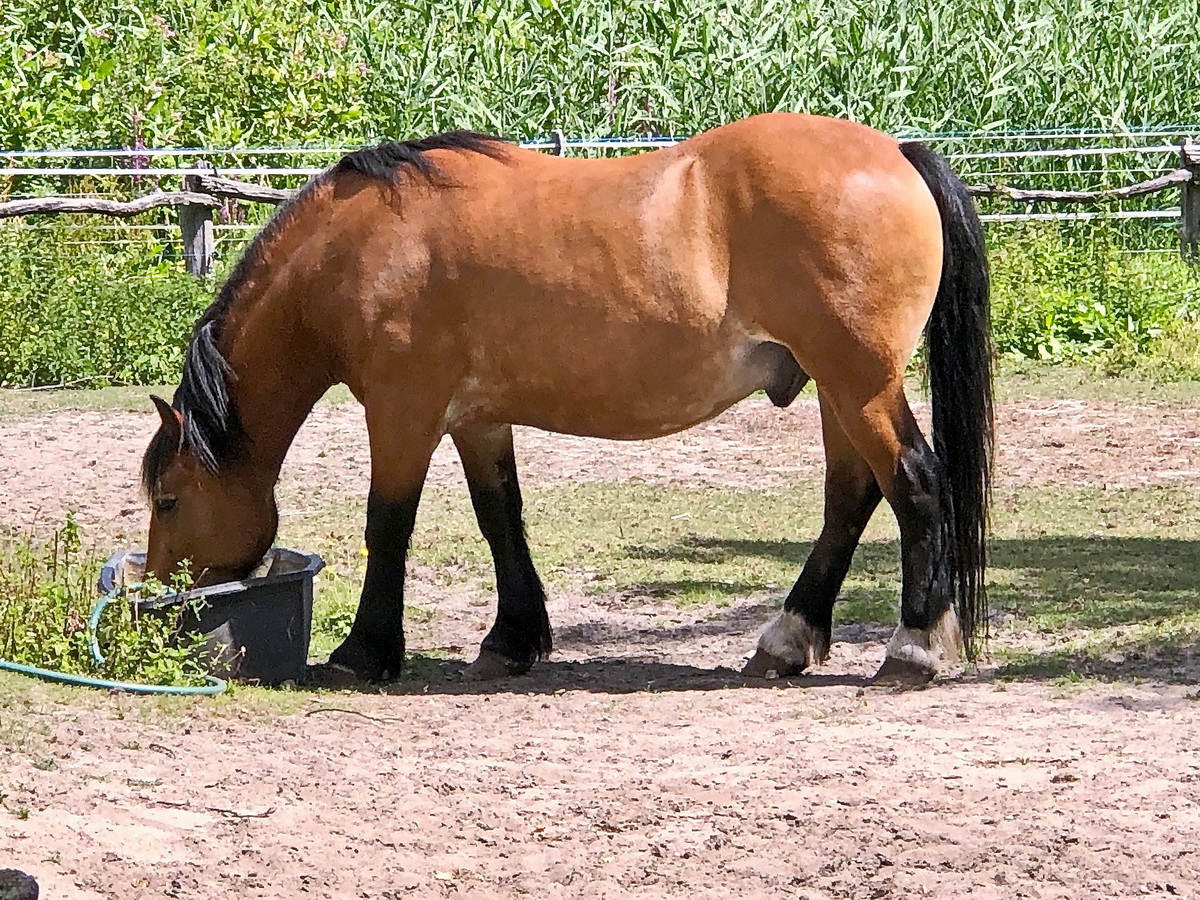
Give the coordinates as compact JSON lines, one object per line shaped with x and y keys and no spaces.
{"x":236,"y":72}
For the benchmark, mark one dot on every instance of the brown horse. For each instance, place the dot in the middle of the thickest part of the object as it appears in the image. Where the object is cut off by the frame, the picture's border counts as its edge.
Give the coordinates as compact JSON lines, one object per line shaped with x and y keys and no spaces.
{"x":460,"y":285}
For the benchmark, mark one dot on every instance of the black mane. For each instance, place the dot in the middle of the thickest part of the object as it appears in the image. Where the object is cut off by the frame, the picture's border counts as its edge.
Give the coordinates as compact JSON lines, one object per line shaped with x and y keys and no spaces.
{"x":212,"y":429}
{"x":388,"y":160}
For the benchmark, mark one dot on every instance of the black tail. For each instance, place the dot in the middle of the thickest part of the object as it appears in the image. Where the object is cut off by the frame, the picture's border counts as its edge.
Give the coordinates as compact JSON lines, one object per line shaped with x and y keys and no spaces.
{"x":958,"y":340}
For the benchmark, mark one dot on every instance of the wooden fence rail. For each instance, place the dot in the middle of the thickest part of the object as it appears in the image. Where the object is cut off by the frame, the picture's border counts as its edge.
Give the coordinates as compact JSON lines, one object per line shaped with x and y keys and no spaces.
{"x":204,"y":190}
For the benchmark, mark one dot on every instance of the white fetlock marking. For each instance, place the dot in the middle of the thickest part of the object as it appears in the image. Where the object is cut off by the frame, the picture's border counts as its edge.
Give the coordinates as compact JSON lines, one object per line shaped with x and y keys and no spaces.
{"x":793,"y":640}
{"x":926,"y":649}
{"x":911,"y":645}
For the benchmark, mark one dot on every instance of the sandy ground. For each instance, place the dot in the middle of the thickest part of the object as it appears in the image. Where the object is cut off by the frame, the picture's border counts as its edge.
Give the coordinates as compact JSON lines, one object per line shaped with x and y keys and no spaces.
{"x":88,"y":461}
{"x":633,"y":765}
{"x":630,"y":778}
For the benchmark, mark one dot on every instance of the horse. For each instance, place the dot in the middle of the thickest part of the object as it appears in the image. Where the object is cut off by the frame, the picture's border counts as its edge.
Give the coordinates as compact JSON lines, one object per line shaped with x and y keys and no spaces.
{"x":459,"y":285}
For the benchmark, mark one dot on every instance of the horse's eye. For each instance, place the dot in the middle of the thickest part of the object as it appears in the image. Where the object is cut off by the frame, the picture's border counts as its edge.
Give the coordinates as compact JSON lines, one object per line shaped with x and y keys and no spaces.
{"x":164,"y":505}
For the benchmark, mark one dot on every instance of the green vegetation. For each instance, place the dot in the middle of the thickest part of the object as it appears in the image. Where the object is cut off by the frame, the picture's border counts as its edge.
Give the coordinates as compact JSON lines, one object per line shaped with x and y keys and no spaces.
{"x":1077,"y":292}
{"x":332,"y":73}
{"x":47,"y":592}
{"x":252,"y":72}
{"x":109,"y":316}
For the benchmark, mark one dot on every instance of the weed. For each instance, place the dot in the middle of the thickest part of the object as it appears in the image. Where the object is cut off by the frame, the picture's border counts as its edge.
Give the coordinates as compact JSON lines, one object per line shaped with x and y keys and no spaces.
{"x":47,"y":593}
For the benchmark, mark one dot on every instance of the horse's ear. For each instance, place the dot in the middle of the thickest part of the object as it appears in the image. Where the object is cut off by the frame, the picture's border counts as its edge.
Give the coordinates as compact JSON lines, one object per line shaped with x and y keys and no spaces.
{"x":172,"y":419}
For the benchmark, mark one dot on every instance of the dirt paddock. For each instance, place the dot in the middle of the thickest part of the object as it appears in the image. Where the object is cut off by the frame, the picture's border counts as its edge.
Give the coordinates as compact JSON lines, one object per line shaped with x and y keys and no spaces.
{"x":636,"y":763}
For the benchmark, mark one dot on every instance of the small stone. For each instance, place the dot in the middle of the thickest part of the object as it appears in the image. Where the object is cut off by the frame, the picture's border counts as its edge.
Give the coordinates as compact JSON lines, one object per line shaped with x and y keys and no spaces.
{"x":16,"y":885}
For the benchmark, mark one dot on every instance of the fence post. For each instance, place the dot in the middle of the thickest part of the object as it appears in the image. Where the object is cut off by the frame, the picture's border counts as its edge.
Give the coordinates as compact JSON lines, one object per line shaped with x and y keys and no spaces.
{"x":195,"y":221}
{"x":1189,"y":202}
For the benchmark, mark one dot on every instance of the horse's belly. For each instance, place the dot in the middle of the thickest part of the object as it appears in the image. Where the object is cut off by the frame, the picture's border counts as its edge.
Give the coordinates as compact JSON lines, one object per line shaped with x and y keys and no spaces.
{"x":669,"y":393}
{"x":638,"y":417}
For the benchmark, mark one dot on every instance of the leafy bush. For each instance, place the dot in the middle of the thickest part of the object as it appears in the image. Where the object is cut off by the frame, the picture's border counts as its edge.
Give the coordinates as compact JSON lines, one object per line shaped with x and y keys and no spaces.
{"x":111,"y":316}
{"x":1078,"y":291}
{"x":47,"y":592}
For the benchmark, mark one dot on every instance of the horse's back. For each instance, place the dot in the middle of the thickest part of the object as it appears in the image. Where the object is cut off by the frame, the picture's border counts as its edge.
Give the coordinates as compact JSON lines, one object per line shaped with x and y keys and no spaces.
{"x":631,"y":297}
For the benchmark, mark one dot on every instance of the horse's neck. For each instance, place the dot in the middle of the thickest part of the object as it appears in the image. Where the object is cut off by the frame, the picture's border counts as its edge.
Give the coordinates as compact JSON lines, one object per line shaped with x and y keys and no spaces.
{"x":280,"y":374}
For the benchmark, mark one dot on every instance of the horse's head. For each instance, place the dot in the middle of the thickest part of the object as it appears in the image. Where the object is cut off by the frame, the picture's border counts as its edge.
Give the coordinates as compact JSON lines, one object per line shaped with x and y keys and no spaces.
{"x":221,"y":522}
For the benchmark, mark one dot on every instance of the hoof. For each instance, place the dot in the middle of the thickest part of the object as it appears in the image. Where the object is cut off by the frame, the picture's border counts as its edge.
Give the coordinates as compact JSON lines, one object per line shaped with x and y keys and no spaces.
{"x":491,"y":665}
{"x":354,"y":657}
{"x":902,"y":673}
{"x":332,"y":677}
{"x":764,"y":665}
{"x":788,"y":646}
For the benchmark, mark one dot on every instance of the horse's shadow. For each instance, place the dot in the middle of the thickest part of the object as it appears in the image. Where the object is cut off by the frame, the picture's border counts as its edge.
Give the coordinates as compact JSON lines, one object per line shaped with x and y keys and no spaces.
{"x":437,"y":675}
{"x":602,"y":675}
{"x":1091,"y":584}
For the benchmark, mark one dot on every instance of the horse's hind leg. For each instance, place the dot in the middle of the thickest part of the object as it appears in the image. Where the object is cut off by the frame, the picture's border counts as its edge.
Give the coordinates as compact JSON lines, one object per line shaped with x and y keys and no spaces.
{"x":799,"y":637}
{"x":885,"y":433}
{"x":521,"y":634}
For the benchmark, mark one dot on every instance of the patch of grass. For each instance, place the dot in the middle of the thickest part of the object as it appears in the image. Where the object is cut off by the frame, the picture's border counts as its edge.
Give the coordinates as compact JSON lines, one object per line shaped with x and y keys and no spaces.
{"x":1172,"y":358}
{"x":251,"y":703}
{"x":602,"y":537}
{"x":1091,"y":559}
{"x":114,"y":399}
{"x":1095,"y":584}
{"x":21,"y":701}
{"x":337,"y":589}
{"x":109,"y":399}
{"x":1122,"y":566}
{"x":1165,"y":649}
{"x":1019,"y":380}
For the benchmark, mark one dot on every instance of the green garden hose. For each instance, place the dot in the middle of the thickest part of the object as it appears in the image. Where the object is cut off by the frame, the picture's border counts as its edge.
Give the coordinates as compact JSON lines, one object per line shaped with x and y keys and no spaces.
{"x":214,"y":686}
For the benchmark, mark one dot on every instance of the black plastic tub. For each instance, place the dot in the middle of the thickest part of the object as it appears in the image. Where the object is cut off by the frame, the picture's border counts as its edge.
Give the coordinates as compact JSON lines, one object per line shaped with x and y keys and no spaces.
{"x":254,"y":630}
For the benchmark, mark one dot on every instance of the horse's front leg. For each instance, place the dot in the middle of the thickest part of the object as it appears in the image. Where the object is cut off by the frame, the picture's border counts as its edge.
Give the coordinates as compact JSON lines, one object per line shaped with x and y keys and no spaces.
{"x":521,"y":634}
{"x":374,"y":649}
{"x":401,"y":446}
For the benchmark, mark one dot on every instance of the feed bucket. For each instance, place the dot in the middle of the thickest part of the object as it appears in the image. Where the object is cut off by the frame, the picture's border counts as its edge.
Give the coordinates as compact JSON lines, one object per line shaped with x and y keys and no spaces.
{"x":254,"y":630}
